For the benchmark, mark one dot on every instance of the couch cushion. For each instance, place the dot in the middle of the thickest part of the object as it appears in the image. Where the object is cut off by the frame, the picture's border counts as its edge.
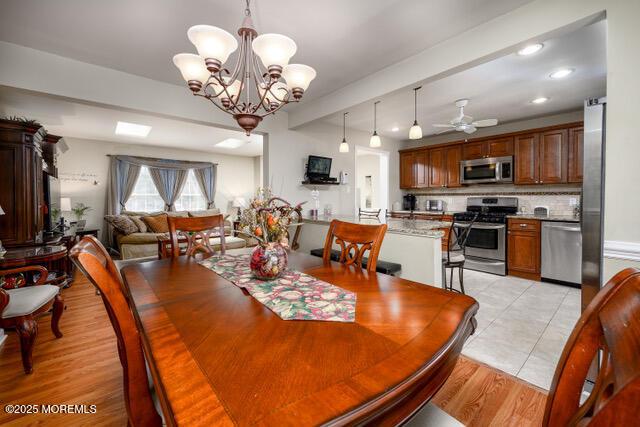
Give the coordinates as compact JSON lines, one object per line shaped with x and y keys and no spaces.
{"x":141,"y":238}
{"x":207,"y":212}
{"x":123,"y":223}
{"x":157,"y":223}
{"x":179,"y":214}
{"x":137,"y":220}
{"x":23,"y":301}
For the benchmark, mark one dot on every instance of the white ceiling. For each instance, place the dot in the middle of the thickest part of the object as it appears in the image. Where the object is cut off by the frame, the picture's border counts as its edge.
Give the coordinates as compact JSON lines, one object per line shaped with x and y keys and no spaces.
{"x":72,"y":119}
{"x":343,"y":40}
{"x":500,"y":89}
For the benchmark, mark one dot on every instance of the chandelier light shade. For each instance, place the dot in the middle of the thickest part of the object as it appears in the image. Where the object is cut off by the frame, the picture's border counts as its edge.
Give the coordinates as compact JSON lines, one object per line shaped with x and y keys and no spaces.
{"x":344,"y":146}
{"x":260,"y":82}
{"x":416,"y":131}
{"x":375,"y":138}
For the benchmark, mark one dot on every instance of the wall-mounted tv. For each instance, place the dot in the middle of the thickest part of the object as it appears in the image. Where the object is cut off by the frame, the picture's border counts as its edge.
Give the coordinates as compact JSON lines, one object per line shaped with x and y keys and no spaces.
{"x":318,"y":167}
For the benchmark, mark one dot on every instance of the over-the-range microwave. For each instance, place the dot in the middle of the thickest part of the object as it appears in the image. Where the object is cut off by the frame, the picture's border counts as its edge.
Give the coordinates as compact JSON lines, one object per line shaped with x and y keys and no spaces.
{"x":482,"y":171}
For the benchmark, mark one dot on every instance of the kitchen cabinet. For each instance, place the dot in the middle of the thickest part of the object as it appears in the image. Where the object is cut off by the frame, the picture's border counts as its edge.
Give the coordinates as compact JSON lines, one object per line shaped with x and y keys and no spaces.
{"x":575,"y":155}
{"x":526,"y":159}
{"x":553,"y":157}
{"x":453,"y":157}
{"x":523,"y":248}
{"x":437,"y":167}
{"x":406,"y":170}
{"x":474,"y":150}
{"x":496,"y":147}
{"x":414,"y":169}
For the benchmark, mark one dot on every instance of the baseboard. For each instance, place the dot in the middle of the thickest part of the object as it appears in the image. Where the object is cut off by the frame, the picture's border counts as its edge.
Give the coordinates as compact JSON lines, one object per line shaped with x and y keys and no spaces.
{"x":622,"y":250}
{"x":524,"y":275}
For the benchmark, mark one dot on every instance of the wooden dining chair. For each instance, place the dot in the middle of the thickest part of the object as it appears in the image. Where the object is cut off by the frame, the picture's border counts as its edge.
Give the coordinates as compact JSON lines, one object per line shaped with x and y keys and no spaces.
{"x":197,"y":233}
{"x":608,"y":328}
{"x":20,"y":305}
{"x":91,"y":257}
{"x":354,"y":240}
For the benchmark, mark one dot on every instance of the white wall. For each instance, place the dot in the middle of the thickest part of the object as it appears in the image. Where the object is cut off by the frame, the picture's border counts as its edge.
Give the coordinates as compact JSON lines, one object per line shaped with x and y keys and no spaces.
{"x":368,"y":165}
{"x":235,"y":173}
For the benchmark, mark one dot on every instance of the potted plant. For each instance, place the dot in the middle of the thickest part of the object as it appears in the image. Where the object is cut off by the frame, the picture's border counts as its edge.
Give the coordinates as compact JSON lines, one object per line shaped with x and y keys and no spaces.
{"x":266,"y":220}
{"x":79,"y":210}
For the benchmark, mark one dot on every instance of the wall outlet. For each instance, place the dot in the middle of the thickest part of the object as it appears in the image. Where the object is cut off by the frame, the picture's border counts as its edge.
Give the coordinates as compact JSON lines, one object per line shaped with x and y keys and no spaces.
{"x":573,"y":201}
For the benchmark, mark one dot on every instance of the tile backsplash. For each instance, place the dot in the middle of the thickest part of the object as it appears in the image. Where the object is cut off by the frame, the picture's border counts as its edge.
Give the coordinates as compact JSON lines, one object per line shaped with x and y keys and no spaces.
{"x":557,"y":198}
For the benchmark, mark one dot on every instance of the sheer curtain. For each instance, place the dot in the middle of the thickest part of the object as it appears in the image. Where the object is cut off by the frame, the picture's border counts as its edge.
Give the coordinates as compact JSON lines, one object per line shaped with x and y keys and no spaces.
{"x":206,"y":178}
{"x":169,"y":183}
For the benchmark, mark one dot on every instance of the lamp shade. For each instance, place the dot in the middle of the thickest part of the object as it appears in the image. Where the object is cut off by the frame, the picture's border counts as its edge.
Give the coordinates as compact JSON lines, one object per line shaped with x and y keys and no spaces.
{"x":375,"y":141}
{"x":191,"y":67}
{"x":65,"y":204}
{"x":274,"y":49}
{"x":344,"y":147}
{"x":298,"y":76}
{"x":1,"y":211}
{"x":232,"y":89}
{"x":239,"y":202}
{"x":415,"y":132}
{"x":277,"y":93}
{"x":212,"y":42}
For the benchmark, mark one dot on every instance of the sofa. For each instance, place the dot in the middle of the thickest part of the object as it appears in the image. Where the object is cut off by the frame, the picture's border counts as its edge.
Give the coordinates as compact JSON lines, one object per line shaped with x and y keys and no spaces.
{"x":141,"y":241}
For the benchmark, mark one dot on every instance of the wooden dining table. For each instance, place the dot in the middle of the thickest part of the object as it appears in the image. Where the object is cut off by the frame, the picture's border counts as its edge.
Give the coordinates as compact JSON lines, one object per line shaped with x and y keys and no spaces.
{"x":217,"y":356}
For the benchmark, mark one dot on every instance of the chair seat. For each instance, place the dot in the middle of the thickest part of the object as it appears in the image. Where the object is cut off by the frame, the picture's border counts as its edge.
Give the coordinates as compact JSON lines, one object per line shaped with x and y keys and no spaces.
{"x":454,"y":257}
{"x":24,"y":301}
{"x":384,"y":267}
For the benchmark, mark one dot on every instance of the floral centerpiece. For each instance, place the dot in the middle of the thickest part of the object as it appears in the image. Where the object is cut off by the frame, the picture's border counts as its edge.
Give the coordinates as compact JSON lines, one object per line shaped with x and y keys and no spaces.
{"x":267,"y":220}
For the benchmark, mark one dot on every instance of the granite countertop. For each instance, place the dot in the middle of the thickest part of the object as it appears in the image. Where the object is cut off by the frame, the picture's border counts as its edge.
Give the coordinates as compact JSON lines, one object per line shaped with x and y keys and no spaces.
{"x":425,"y":212}
{"x":551,"y":217}
{"x":414,"y":227}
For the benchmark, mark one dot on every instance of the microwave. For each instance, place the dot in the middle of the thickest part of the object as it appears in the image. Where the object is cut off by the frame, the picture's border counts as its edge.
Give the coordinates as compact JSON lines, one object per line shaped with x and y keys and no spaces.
{"x":482,"y":171}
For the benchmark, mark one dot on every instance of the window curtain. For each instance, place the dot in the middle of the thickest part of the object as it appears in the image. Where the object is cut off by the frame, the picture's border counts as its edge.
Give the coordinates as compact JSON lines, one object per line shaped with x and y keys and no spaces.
{"x":169,"y":183}
{"x":206,"y":178}
{"x":122,"y":180}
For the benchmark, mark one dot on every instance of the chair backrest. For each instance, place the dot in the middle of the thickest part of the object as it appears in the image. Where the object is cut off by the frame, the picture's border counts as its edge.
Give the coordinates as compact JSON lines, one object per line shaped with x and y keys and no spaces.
{"x":197,"y":232}
{"x":609,"y":327}
{"x":93,"y":260}
{"x":369,"y":213}
{"x":354,"y":240}
{"x":458,"y":236}
{"x":4,"y":296}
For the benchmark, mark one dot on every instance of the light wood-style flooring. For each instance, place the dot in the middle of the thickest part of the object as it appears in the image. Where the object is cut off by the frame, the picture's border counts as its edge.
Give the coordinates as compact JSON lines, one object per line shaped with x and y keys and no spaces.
{"x":82,"y":367}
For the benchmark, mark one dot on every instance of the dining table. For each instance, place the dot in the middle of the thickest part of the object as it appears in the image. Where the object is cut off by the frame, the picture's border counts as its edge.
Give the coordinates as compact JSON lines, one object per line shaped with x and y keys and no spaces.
{"x":217,"y":356}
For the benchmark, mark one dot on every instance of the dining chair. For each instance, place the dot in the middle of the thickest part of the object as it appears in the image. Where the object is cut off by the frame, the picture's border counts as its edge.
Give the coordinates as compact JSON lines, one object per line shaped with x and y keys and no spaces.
{"x":354,"y":240}
{"x":608,"y":331}
{"x":369,"y":213}
{"x":197,"y":232}
{"x":91,"y":257}
{"x":455,"y":254}
{"x":20,"y":305}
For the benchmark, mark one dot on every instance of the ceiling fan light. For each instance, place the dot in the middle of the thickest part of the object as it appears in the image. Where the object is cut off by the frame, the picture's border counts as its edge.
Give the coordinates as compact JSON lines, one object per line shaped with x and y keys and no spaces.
{"x":344,"y":147}
{"x":415,"y":132}
{"x":212,"y":42}
{"x":191,"y":67}
{"x":375,"y":141}
{"x":298,"y":76}
{"x":274,"y":49}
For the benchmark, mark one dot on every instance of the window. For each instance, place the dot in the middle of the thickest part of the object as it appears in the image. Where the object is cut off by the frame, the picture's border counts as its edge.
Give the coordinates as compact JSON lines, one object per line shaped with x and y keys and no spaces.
{"x":145,"y":197}
{"x":191,"y":198}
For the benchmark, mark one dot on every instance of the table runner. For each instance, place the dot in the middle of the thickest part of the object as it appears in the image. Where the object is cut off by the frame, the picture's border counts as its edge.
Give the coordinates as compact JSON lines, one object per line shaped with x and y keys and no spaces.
{"x":292,"y":296}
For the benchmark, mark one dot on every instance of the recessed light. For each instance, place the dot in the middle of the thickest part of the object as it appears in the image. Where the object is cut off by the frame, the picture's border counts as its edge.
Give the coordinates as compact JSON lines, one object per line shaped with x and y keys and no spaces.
{"x":231,"y":143}
{"x":132,"y":129}
{"x":562,"y":73}
{"x":395,"y":129}
{"x":540,"y":100}
{"x":530,"y":49}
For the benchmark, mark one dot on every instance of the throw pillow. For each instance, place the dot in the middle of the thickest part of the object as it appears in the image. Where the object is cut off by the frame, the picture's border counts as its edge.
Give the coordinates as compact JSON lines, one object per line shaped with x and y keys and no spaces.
{"x":157,"y":223}
{"x":122,"y":223}
{"x":137,"y":220}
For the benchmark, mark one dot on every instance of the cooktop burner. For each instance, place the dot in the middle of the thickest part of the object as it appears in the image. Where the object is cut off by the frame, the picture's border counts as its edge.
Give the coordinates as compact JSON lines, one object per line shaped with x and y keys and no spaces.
{"x":489,"y":209}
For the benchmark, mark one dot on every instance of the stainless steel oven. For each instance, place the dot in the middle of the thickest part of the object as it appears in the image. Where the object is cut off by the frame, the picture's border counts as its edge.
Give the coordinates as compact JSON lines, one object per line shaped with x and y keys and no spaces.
{"x":481,"y":171}
{"x":486,"y":247}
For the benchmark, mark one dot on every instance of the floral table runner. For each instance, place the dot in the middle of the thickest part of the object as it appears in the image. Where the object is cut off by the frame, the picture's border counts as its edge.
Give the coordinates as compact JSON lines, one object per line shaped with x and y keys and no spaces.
{"x":292,"y":296}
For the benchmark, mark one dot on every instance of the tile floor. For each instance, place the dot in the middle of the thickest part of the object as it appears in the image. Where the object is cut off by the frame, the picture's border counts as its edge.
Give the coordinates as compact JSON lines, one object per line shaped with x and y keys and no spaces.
{"x":522,"y":324}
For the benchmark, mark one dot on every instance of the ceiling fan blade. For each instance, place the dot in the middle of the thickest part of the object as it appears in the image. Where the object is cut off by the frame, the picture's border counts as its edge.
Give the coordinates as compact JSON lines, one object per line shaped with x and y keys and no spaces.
{"x":466,"y":119}
{"x":445,"y":131}
{"x":442,"y":125}
{"x":469,"y":129}
{"x":485,"y":123}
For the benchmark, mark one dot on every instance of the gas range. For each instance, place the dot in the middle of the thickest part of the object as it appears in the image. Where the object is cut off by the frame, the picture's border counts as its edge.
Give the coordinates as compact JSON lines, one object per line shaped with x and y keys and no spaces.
{"x":493,"y":210}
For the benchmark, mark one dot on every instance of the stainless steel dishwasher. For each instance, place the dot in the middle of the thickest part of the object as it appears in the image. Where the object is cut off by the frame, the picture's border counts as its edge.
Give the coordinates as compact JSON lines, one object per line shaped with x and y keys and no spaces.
{"x":561,"y":251}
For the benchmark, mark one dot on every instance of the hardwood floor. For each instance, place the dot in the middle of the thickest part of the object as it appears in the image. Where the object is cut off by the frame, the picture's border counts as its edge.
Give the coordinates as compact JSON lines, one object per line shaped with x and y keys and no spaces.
{"x":82,"y":367}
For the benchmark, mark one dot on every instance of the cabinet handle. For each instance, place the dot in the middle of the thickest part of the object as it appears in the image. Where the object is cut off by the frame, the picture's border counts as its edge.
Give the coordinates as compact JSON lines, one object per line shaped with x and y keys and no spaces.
{"x":523,"y":225}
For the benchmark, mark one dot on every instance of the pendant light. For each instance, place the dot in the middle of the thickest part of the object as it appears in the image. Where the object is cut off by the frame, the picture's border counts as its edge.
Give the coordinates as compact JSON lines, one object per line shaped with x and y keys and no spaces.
{"x":344,"y":147}
{"x":416,"y":131}
{"x":375,"y":139}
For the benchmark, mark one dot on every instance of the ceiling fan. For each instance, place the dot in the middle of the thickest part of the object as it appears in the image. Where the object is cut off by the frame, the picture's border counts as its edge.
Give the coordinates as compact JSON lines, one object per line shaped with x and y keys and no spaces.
{"x":463,"y":123}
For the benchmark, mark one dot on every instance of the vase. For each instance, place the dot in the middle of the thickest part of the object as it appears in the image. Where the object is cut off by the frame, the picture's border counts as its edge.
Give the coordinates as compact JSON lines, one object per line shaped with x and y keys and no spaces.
{"x":268,"y":261}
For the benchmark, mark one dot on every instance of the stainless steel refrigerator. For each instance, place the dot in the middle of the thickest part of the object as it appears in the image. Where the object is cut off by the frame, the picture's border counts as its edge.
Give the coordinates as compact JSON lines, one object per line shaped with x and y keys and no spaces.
{"x":592,"y":204}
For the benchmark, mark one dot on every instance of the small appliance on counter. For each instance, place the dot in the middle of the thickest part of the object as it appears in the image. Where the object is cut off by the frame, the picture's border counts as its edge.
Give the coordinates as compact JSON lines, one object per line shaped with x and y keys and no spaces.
{"x":541,"y":211}
{"x":409,"y":202}
{"x":434,"y":205}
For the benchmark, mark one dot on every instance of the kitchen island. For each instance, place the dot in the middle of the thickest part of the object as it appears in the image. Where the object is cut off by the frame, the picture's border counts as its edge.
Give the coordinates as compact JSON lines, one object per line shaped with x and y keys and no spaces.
{"x":414,"y":244}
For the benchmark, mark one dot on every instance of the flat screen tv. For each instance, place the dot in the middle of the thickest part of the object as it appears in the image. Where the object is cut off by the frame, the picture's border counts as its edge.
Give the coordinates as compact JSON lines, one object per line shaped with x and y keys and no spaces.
{"x":318,"y":167}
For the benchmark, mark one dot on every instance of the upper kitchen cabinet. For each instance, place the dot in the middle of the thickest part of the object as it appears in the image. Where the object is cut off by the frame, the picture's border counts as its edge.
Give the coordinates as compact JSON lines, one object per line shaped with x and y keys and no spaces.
{"x":576,"y":146}
{"x":406,"y":170}
{"x":495,"y":147}
{"x":437,"y":167}
{"x":553,"y":157}
{"x":526,"y":159}
{"x":414,"y":169}
{"x":453,"y":157}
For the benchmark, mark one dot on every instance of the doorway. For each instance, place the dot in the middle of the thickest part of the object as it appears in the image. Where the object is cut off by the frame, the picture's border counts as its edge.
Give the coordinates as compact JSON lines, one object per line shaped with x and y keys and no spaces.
{"x":371,"y":179}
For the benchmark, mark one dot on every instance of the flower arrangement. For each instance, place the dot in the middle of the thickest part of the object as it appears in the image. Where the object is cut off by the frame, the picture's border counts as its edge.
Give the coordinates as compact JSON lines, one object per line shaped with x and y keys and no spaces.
{"x":267,"y":218}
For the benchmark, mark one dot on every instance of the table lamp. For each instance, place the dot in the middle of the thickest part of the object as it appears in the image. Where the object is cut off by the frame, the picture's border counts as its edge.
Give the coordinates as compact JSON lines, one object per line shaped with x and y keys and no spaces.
{"x":239,"y":203}
{"x":2,"y":250}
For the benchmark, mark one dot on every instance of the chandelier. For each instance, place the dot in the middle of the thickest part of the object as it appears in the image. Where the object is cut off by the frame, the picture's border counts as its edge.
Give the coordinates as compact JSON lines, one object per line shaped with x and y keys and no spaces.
{"x":262,"y":80}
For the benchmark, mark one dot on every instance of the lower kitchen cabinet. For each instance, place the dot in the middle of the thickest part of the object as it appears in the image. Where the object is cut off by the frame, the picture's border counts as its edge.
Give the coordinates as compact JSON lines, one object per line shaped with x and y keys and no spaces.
{"x":523,"y":248}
